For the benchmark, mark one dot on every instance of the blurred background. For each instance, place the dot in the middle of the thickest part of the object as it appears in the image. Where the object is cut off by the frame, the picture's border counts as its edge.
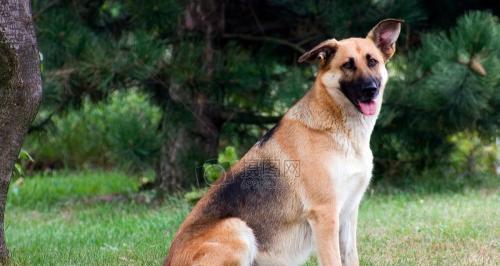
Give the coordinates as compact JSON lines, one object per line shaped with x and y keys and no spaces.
{"x":163,"y":87}
{"x":153,"y":99}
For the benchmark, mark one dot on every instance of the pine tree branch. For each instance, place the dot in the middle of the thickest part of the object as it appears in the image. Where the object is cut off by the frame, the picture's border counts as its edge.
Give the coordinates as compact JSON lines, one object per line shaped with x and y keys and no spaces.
{"x":275,"y":40}
{"x":49,"y":5}
{"x":247,"y":118}
{"x":40,"y":126}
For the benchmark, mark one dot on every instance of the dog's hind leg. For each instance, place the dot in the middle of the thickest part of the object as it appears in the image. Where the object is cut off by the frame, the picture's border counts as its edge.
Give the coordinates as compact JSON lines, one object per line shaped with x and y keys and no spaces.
{"x":229,"y":243}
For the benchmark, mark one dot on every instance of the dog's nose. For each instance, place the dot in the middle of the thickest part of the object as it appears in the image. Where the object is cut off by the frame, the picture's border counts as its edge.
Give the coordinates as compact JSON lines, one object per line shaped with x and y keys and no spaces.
{"x":369,"y":90}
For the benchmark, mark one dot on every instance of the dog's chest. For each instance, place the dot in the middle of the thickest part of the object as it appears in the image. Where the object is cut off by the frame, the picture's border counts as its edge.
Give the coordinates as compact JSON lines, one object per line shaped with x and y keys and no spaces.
{"x":350,"y":173}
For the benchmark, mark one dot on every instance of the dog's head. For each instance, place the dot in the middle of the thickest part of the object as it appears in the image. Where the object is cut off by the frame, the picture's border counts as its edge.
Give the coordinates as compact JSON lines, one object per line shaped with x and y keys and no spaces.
{"x":353,"y":70}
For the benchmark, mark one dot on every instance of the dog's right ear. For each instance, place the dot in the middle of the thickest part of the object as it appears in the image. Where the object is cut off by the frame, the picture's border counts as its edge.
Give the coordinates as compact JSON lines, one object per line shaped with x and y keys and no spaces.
{"x":322,"y":52}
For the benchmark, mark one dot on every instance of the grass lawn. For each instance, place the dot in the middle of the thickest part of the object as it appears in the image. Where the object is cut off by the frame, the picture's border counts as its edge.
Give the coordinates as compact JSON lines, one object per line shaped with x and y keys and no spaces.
{"x":51,"y":221}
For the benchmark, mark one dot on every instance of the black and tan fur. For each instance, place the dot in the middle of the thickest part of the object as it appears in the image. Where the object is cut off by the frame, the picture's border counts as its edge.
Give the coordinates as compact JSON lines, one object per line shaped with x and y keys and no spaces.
{"x":298,"y":189}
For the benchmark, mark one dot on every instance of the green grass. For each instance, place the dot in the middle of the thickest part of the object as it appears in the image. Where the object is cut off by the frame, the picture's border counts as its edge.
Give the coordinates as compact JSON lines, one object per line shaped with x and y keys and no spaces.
{"x":449,"y":229}
{"x":50,"y":221}
{"x":46,"y":191}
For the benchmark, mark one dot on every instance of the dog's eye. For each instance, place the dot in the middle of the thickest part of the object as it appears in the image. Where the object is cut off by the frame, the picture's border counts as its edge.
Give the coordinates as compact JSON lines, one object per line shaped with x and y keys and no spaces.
{"x":372,"y":62}
{"x":349,"y":65}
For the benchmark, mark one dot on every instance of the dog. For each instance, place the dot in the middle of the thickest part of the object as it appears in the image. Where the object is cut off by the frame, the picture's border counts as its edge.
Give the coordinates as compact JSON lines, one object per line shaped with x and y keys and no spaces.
{"x":297,"y":190}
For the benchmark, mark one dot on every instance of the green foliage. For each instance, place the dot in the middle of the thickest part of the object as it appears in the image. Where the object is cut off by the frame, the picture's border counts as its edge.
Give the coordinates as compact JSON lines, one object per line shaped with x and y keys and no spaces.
{"x":93,"y":48}
{"x":342,"y":19}
{"x":473,"y":155}
{"x":88,"y":56}
{"x":158,"y":17}
{"x":446,"y":84}
{"x":194,"y":195}
{"x":212,"y":171}
{"x":439,"y":91}
{"x":131,"y":123}
{"x":226,"y":159}
{"x":118,"y":132}
{"x":19,"y":166}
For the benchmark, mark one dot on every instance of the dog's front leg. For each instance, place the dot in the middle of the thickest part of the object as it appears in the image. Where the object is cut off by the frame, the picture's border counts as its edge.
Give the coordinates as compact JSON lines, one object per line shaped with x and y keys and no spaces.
{"x":325,"y":226}
{"x":347,"y":235}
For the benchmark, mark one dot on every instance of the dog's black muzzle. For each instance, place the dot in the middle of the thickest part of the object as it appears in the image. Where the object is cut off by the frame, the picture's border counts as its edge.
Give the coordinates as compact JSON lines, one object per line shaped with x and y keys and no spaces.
{"x":361,"y":90}
{"x":369,"y":90}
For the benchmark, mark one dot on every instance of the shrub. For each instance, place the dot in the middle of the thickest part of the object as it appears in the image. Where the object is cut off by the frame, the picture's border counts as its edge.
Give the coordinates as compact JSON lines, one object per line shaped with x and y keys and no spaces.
{"x":473,"y":155}
{"x":225,"y":159}
{"x":131,"y":124}
{"x":121,"y":131}
{"x":212,"y":171}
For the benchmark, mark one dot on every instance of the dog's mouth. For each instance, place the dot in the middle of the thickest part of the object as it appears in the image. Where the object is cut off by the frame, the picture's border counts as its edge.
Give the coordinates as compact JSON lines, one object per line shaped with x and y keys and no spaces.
{"x":362,"y":93}
{"x":367,"y":107}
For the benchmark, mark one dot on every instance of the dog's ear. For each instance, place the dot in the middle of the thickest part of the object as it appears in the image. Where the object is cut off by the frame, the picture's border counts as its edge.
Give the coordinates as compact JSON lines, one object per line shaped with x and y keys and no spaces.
{"x":385,"y":34}
{"x":322,"y":52}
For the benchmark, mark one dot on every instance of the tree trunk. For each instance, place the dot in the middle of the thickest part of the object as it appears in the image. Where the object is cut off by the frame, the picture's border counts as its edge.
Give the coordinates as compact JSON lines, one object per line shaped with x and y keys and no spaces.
{"x":191,"y":137}
{"x":196,"y":141}
{"x":20,"y":91}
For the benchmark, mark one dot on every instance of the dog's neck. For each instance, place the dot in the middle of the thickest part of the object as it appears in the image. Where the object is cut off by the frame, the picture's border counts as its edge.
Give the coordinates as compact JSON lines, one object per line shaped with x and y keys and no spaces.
{"x":318,"y":110}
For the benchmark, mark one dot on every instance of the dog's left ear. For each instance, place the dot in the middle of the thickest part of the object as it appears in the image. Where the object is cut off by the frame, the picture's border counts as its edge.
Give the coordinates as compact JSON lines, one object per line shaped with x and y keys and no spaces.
{"x":385,"y":34}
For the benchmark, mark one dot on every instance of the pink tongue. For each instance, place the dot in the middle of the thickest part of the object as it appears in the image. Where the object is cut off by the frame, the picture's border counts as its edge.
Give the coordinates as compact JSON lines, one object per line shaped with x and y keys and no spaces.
{"x":368,"y":108}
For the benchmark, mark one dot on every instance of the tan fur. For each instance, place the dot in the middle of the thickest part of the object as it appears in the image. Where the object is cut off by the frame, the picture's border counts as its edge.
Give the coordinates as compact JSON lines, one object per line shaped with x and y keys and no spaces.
{"x":314,"y":209}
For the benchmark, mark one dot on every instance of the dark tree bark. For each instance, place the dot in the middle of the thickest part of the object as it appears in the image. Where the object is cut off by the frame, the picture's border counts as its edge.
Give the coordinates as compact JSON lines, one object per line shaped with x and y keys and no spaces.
{"x":20,"y":91}
{"x":198,"y":140}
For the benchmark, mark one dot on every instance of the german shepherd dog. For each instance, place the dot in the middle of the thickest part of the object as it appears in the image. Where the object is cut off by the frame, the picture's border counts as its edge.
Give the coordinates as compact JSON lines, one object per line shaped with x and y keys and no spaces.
{"x":298,"y":189}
